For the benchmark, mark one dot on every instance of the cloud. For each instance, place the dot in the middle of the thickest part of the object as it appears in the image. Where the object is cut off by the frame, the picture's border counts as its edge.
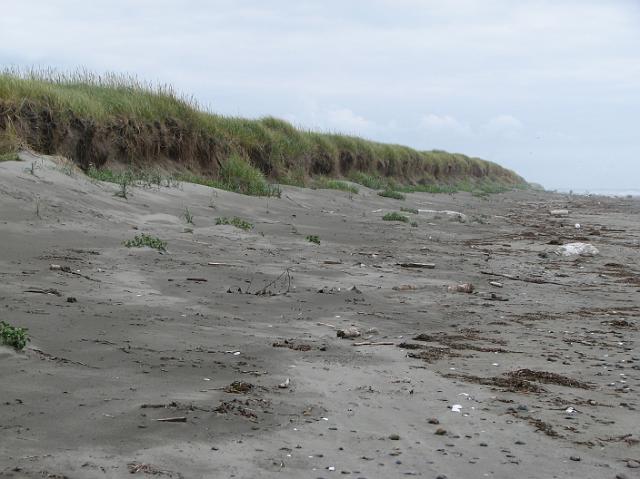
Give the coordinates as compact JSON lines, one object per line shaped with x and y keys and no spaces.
{"x":436,"y":122}
{"x":503,"y":125}
{"x":345,"y":120}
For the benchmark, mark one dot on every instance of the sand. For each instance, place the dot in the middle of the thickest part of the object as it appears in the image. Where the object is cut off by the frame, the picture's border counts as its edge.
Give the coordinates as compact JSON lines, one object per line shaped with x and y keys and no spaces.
{"x":534,"y":374}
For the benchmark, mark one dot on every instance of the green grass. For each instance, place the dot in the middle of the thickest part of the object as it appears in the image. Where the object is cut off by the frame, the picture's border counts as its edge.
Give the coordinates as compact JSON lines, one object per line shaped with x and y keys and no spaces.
{"x":142,"y":240}
{"x":313,"y":239}
{"x":13,"y":336}
{"x":329,"y":184}
{"x":409,"y":210}
{"x":9,"y":157}
{"x":236,"y":153}
{"x":235,"y":221}
{"x":370,"y":181}
{"x":388,"y":193}
{"x":395,"y":217}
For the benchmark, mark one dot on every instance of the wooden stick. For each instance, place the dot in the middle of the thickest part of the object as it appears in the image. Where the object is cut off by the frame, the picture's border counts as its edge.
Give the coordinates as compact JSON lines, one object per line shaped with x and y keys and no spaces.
{"x":526,"y":280}
{"x":173,"y":419}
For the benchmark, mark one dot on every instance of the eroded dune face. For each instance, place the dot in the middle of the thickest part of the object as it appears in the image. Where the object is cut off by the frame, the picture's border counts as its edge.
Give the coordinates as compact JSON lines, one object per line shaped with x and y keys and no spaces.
{"x":218,"y":353}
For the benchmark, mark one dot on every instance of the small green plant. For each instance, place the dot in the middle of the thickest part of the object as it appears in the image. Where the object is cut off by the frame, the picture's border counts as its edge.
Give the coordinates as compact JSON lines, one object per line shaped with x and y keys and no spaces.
{"x":329,"y":184}
{"x":414,"y":224}
{"x":13,"y":336}
{"x":188,"y":217}
{"x":313,"y":239}
{"x":395,"y":217}
{"x":12,"y":156}
{"x":122,"y":192}
{"x":235,"y":221}
{"x":142,"y":240}
{"x":409,"y":210}
{"x":370,"y":181}
{"x":389,"y":193}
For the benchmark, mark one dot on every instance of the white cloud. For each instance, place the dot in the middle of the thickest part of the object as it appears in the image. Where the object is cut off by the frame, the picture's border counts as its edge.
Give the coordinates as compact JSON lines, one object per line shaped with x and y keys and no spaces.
{"x":503,"y":125}
{"x":345,"y":120}
{"x":435,"y":122}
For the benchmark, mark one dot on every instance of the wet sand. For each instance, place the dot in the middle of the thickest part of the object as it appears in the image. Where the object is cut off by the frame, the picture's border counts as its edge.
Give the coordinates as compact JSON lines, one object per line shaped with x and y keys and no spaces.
{"x":535,"y":375}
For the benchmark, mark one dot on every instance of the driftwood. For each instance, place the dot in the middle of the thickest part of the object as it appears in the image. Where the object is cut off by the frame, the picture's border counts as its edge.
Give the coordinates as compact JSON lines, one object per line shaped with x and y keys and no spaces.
{"x":172,"y":419}
{"x":526,"y":280}
{"x":379,"y":343}
{"x":417,"y":265}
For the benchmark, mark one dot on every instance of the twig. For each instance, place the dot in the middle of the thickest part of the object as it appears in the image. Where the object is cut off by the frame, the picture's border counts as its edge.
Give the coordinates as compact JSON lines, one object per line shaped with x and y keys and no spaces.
{"x":173,"y":419}
{"x":526,"y":280}
{"x":286,"y":273}
{"x":327,"y":325}
{"x":369,"y":343}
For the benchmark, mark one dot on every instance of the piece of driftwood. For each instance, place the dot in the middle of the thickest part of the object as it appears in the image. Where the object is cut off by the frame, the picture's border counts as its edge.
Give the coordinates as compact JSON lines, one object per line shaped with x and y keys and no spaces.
{"x":526,"y":280}
{"x":173,"y":419}
{"x":417,"y":265}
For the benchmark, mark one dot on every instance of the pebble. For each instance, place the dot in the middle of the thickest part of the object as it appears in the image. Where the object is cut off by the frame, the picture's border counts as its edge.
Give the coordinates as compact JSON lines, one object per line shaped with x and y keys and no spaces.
{"x":440,"y":431}
{"x":394,"y":437}
{"x":441,"y":476}
{"x":575,"y":458}
{"x":622,"y":475}
{"x":633,"y":464}
{"x":433,"y":420}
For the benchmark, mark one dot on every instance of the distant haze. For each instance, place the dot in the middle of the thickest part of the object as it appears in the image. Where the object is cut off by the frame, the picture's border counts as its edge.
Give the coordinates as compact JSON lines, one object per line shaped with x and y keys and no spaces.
{"x":549,"y":88}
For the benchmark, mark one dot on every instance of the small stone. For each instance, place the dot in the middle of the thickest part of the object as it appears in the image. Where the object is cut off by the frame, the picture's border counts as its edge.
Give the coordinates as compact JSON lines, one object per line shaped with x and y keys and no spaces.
{"x":575,"y":458}
{"x":633,"y":464}
{"x":520,"y":443}
{"x":440,"y":432}
{"x":441,"y":476}
{"x":522,"y":407}
{"x":433,"y":420}
{"x":622,"y":475}
{"x":483,"y":444}
{"x":71,"y":299}
{"x":394,"y":437}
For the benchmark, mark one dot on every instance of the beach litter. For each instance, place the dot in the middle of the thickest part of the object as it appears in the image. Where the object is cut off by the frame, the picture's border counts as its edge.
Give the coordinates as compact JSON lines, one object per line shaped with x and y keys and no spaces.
{"x":577,"y":249}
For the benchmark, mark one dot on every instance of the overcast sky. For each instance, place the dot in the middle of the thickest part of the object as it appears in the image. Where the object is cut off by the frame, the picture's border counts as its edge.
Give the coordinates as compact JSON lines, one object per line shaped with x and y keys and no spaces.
{"x":549,"y":88}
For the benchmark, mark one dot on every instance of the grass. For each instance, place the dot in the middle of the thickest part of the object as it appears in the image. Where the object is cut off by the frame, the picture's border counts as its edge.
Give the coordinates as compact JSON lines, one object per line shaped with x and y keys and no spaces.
{"x":13,"y":336}
{"x":236,"y":153}
{"x":235,"y":221}
{"x":370,"y":181}
{"x":395,"y":217}
{"x":188,"y":217}
{"x":12,"y":156}
{"x":313,"y":239}
{"x":145,"y":240}
{"x":409,"y":210}
{"x":389,"y":193}
{"x":329,"y":184}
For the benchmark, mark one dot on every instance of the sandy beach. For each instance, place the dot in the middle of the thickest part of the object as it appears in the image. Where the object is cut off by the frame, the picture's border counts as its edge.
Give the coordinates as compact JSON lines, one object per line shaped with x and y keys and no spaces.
{"x":220,"y":356}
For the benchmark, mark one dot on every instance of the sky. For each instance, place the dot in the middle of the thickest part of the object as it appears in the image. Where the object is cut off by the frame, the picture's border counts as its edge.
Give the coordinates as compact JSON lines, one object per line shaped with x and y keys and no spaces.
{"x":548,"y":88}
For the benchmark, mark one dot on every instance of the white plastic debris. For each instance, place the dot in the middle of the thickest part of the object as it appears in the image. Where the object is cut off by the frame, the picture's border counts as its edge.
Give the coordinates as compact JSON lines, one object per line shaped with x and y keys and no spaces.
{"x":456,"y":408}
{"x":577,"y":226}
{"x":577,"y":249}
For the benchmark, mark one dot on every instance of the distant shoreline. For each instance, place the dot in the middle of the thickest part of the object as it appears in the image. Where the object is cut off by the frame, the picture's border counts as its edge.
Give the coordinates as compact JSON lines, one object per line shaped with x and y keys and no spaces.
{"x":602,"y":191}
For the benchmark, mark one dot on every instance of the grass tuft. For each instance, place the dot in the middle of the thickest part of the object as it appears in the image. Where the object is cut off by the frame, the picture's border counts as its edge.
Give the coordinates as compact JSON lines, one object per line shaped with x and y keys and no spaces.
{"x":389,"y":193}
{"x":409,"y":210}
{"x":313,"y":239}
{"x":395,"y":217}
{"x":142,"y":240}
{"x":324,"y":183}
{"x":13,"y":336}
{"x":235,"y":221}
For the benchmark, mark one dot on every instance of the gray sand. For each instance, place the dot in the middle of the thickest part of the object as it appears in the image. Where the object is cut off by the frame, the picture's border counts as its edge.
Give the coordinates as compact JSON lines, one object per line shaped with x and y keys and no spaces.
{"x":142,"y":334}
